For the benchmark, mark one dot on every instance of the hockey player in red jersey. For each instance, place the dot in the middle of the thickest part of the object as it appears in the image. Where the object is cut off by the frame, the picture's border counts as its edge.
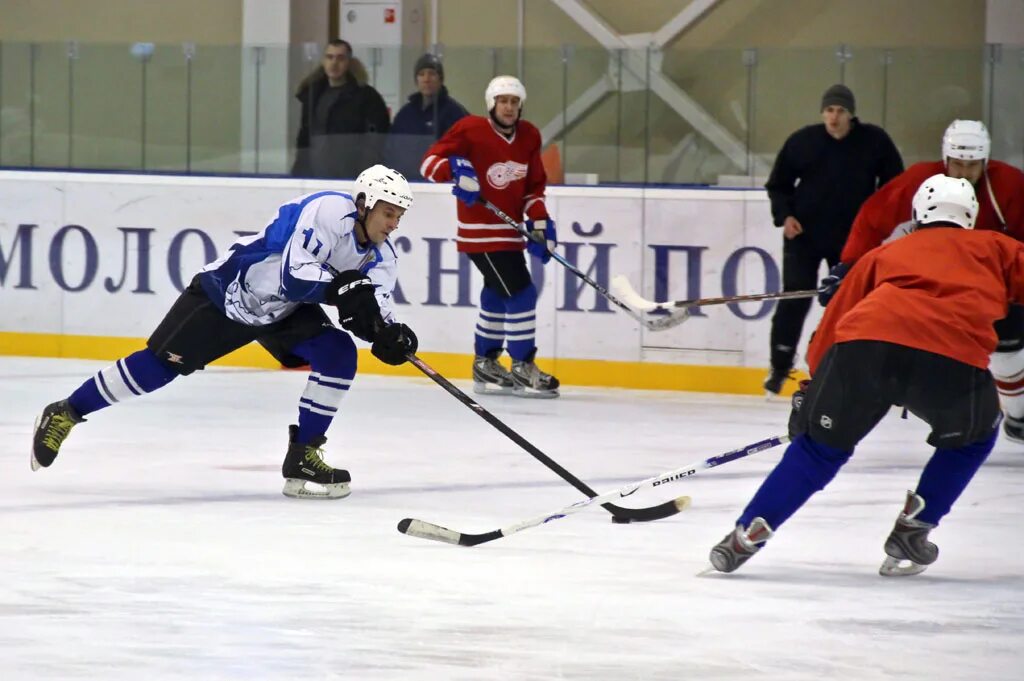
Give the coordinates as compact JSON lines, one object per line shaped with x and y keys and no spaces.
{"x":1000,"y":192}
{"x":506,"y":150}
{"x":911,"y":325}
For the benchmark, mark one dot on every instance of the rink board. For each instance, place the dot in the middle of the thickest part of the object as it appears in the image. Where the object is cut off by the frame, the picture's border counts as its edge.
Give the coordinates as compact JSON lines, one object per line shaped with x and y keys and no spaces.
{"x":89,"y":264}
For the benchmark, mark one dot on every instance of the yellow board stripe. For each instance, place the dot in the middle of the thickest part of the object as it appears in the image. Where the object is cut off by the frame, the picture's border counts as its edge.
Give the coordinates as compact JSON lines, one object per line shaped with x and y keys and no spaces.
{"x":583,"y":372}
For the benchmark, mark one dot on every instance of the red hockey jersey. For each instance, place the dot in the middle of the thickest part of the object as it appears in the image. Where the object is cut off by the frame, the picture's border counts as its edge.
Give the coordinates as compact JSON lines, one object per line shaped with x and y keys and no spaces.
{"x":511,"y":177}
{"x":891,"y":205}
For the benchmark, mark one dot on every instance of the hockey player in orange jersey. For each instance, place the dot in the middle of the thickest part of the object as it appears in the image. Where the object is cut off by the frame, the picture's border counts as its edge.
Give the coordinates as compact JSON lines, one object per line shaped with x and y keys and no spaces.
{"x":911,"y":325}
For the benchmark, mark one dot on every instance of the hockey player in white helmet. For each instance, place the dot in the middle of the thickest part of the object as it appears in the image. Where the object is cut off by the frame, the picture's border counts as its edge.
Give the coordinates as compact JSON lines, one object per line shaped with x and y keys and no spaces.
{"x":497,"y":156}
{"x":328,"y":247}
{"x":911,"y":326}
{"x":966,"y":150}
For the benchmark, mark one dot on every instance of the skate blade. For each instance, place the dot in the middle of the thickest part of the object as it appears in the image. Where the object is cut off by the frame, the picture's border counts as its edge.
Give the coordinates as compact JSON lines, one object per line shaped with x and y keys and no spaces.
{"x":32,"y":453}
{"x":296,"y":489}
{"x":531,"y":394}
{"x":895,"y":567}
{"x":482,"y":388}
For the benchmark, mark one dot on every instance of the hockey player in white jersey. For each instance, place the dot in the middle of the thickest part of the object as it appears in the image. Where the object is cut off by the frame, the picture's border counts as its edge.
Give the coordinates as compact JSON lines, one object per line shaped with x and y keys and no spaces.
{"x":323,"y":248}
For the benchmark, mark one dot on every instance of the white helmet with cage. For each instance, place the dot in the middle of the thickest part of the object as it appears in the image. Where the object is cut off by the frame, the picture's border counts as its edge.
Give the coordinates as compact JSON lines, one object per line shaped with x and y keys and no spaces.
{"x":504,"y":85}
{"x":941,"y":198}
{"x":380,"y":183}
{"x":967,"y":141}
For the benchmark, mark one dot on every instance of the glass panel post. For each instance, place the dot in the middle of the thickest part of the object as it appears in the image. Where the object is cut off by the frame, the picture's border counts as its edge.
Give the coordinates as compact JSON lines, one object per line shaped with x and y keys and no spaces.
{"x":750,"y":64}
{"x":189,"y":51}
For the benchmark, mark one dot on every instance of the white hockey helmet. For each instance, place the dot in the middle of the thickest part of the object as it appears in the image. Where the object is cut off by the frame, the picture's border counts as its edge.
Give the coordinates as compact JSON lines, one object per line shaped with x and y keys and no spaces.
{"x":966,"y":140}
{"x":941,"y":198}
{"x":380,"y":183}
{"x":504,"y":85}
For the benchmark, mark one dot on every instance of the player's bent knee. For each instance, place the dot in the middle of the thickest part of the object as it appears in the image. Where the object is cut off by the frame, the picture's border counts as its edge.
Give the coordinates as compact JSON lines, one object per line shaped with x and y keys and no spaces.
{"x":332,"y":353}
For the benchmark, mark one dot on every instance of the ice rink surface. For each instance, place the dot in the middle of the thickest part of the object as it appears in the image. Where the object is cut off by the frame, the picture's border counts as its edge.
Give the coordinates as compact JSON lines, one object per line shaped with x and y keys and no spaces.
{"x":159,"y":546}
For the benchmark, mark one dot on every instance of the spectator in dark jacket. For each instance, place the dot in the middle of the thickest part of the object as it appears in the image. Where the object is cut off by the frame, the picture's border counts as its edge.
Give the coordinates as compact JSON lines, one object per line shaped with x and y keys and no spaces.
{"x":821,"y":176}
{"x":344,"y":119}
{"x":423,"y":120}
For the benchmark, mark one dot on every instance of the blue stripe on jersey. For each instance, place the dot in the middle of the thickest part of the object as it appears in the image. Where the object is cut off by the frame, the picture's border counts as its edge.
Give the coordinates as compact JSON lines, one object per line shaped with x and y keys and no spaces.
{"x":280,"y":230}
{"x":274,"y":239}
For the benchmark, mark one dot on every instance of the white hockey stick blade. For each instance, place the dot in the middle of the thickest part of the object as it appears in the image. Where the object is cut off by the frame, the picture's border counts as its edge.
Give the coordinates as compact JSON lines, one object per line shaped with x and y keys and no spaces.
{"x":425,"y":530}
{"x":622,"y":289}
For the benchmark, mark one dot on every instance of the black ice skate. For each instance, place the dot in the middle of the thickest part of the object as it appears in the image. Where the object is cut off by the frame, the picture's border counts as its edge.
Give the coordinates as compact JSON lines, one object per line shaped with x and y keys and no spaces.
{"x":304,"y":463}
{"x":529,"y":381}
{"x":489,"y":376}
{"x":775,"y":380}
{"x":1014,"y":429}
{"x":907,"y":549}
{"x":739,"y":545}
{"x":52,"y":428}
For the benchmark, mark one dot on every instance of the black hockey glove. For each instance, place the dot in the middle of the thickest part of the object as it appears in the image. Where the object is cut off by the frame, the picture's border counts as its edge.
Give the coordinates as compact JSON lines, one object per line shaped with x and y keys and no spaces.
{"x":830,"y":284}
{"x":352,"y":293}
{"x":798,"y":421}
{"x":393,"y":343}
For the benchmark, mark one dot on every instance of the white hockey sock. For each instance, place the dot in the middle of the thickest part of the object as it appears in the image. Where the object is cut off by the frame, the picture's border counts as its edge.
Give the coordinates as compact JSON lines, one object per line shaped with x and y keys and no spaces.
{"x":1008,"y":370}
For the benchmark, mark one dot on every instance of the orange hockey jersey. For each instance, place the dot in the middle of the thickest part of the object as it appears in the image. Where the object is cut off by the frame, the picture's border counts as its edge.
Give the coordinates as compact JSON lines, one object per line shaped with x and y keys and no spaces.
{"x":511,"y":177}
{"x":891,"y":205}
{"x":938,"y":289}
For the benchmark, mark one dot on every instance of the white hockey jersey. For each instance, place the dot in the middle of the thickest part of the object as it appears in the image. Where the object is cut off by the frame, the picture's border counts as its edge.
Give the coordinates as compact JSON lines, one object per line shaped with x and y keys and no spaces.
{"x":264,"y":277}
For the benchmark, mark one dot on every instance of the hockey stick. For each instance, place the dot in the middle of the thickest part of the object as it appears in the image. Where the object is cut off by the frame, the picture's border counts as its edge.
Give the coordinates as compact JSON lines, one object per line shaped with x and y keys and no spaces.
{"x":619,"y":514}
{"x":625,"y":290}
{"x":425,"y":530}
{"x":657,"y":324}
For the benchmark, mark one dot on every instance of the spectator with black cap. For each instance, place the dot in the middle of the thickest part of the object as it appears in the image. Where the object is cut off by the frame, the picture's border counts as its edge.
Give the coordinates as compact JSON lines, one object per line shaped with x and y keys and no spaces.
{"x":822,"y":175}
{"x":428,"y":114}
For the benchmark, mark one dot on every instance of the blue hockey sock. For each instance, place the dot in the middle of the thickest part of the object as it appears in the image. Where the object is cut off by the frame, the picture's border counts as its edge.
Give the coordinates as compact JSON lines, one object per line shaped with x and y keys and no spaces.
{"x":490,"y":329}
{"x":947,"y":475}
{"x":806,"y":467}
{"x":521,"y":323}
{"x":128,"y":377}
{"x":332,"y":357}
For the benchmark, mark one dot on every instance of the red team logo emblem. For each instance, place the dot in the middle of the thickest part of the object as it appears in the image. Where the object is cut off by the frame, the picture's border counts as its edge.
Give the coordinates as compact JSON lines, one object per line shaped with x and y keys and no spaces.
{"x":501,"y":175}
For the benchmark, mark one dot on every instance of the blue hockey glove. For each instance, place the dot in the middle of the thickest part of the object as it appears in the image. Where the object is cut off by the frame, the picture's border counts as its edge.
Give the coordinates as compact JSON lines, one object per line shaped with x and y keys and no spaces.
{"x":465,"y":184}
{"x":543,"y":238}
{"x":830,"y":284}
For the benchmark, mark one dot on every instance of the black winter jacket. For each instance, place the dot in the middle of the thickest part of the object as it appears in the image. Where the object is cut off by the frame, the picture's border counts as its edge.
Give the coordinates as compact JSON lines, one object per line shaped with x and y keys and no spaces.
{"x":354,"y":136}
{"x":835,"y":177}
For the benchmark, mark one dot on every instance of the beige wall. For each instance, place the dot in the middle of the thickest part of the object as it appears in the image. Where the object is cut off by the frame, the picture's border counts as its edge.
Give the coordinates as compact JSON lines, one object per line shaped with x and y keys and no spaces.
{"x":101,"y":126}
{"x":217,"y":22}
{"x":936,"y":74}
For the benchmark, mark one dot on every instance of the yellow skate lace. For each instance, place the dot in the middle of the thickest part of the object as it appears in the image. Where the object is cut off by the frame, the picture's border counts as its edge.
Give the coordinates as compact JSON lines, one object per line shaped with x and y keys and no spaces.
{"x":57,"y":431}
{"x":314,"y":457}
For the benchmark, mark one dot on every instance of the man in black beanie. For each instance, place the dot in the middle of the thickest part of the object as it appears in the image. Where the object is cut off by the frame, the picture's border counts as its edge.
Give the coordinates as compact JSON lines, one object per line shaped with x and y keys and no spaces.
{"x":821,"y":176}
{"x":423,"y":120}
